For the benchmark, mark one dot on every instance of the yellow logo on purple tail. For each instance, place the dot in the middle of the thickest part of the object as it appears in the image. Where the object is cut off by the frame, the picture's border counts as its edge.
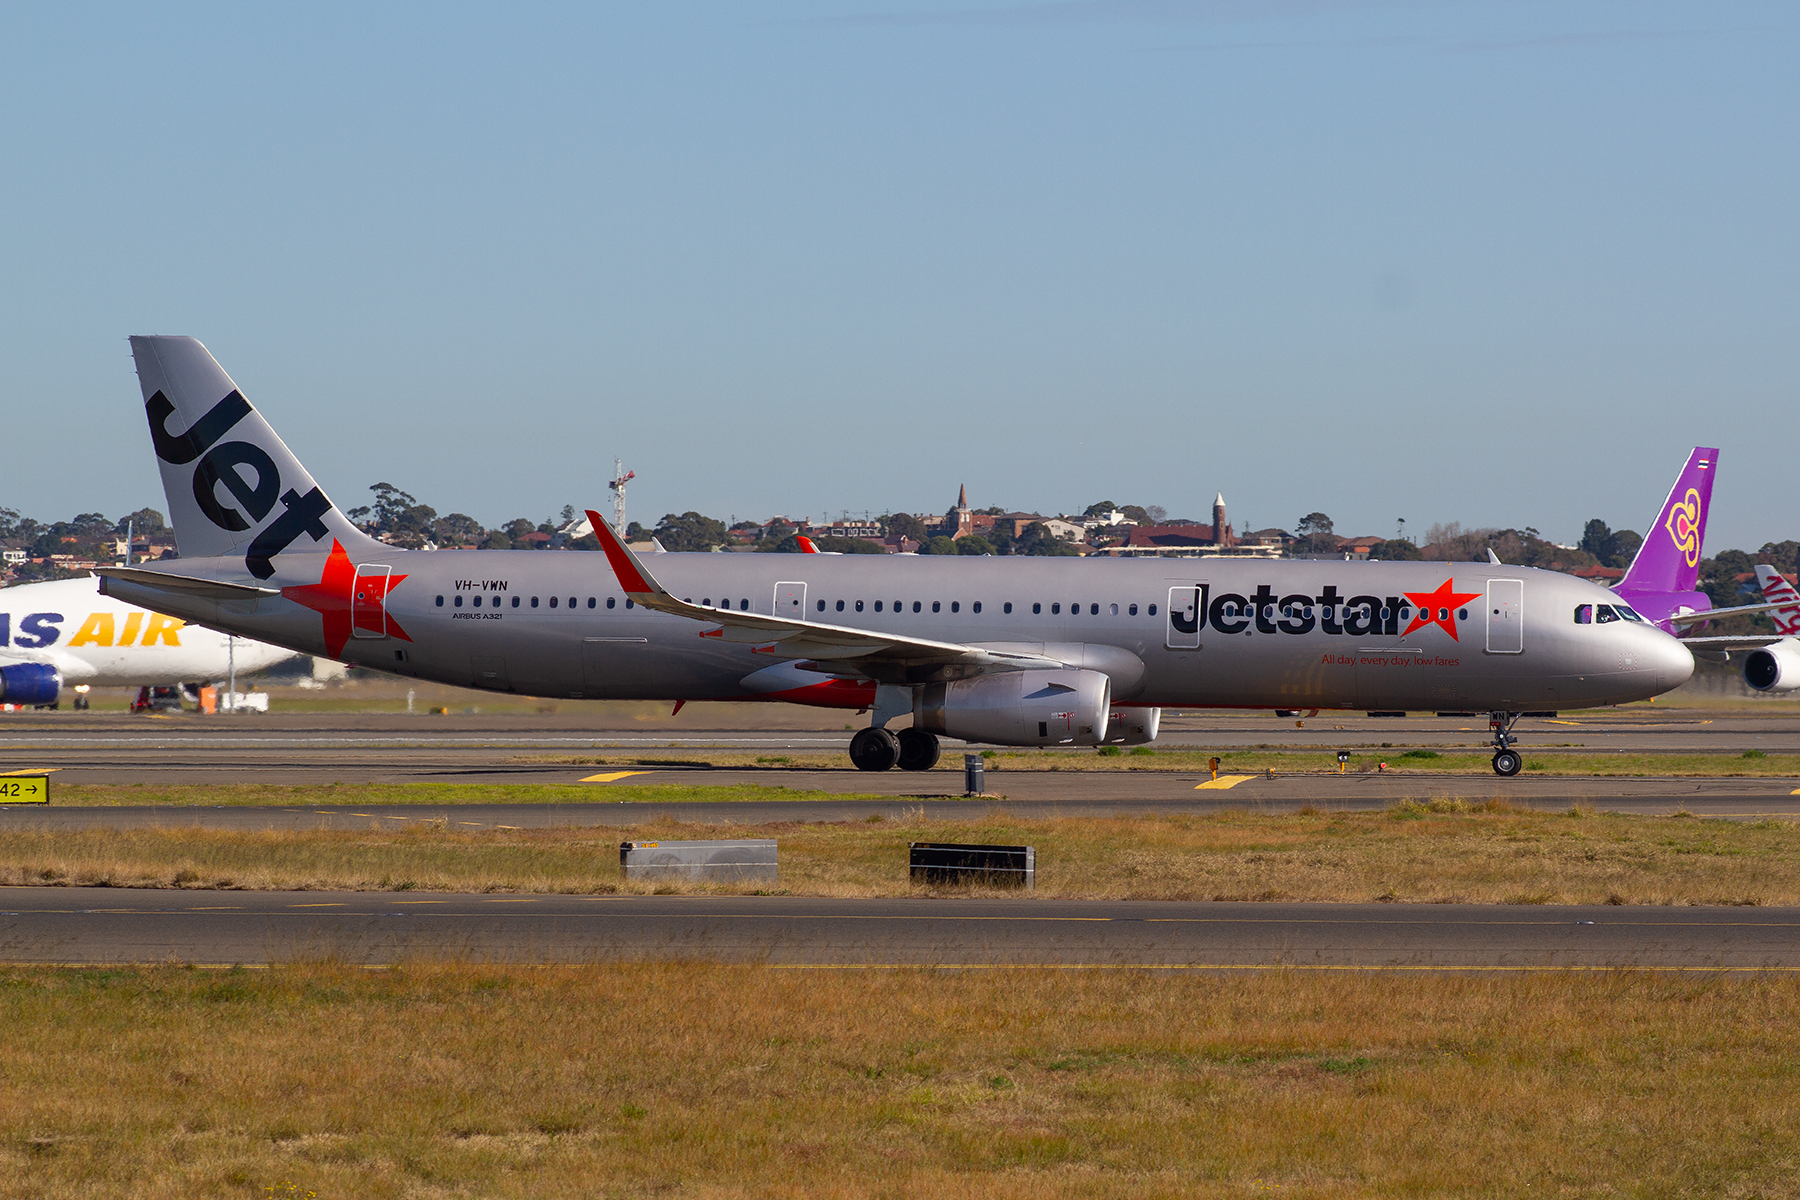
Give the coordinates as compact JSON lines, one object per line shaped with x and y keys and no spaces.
{"x":1684,"y":526}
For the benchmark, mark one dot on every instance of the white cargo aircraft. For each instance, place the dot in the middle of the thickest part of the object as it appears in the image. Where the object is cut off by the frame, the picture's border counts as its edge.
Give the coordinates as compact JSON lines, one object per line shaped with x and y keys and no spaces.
{"x":60,"y":635}
{"x":1014,"y":651}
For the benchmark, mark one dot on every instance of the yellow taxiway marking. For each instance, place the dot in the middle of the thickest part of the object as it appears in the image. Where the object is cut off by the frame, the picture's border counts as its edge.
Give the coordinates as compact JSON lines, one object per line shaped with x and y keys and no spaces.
{"x":506,"y":827}
{"x":468,"y":822}
{"x":315,"y":906}
{"x":612,"y":776}
{"x":1795,"y":792}
{"x":1222,"y":782}
{"x":32,"y":771}
{"x":1554,"y":721}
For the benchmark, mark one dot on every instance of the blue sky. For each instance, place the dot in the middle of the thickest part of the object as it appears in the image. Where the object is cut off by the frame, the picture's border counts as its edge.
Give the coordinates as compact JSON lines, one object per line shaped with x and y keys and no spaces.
{"x":1497,"y":263}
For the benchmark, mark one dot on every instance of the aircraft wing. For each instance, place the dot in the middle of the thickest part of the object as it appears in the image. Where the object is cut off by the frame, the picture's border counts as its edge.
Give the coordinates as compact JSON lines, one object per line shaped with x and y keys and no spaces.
{"x":1747,"y":641}
{"x":886,"y":658}
{"x":186,"y":585}
{"x":1695,"y":618}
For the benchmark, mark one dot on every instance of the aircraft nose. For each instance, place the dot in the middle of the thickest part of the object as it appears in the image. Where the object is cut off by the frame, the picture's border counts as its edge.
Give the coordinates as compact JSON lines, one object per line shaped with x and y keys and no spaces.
{"x":1669,"y":661}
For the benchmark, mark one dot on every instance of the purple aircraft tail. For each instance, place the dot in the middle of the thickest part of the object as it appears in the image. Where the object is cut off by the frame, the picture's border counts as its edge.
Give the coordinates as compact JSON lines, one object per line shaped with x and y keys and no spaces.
{"x":1669,"y":559}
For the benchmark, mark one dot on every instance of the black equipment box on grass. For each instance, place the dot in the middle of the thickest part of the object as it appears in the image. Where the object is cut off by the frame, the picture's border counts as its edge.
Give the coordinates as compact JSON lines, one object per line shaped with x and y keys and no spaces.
{"x":950,"y":862}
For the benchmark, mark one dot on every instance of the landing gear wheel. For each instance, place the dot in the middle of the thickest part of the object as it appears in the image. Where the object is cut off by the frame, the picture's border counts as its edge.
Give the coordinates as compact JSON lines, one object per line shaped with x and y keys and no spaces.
{"x":874,"y":750}
{"x":1507,"y":762}
{"x":918,"y":750}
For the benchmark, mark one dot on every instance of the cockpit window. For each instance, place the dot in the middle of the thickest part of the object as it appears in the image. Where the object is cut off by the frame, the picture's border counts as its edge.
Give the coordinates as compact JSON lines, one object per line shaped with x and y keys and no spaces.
{"x":1605,"y":614}
{"x":1630,"y":614}
{"x":1584,"y":614}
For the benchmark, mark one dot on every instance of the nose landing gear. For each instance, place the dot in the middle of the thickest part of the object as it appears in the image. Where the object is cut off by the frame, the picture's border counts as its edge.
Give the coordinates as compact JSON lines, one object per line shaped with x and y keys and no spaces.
{"x":1507,"y":761}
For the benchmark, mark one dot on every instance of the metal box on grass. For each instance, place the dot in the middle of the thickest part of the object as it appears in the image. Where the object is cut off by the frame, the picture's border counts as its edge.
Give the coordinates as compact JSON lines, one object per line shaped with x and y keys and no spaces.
{"x":703,"y":862}
{"x":995,"y":866}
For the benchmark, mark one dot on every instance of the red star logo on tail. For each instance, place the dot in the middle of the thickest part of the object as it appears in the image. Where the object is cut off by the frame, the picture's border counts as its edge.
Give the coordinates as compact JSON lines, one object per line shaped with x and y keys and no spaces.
{"x":1439,"y":608}
{"x":348,"y":602}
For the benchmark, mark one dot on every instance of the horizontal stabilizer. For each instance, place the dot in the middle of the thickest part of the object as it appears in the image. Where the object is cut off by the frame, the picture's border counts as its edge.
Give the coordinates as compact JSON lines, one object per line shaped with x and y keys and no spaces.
{"x":183,"y":585}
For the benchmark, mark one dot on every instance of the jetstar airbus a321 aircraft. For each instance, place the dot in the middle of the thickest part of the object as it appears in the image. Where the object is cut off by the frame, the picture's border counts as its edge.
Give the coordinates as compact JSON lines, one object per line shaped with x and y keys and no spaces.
{"x":1008,"y":651}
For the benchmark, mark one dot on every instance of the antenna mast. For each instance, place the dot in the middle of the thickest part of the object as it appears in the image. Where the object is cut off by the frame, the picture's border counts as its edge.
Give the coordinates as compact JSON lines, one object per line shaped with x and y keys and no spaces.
{"x":621,"y":477}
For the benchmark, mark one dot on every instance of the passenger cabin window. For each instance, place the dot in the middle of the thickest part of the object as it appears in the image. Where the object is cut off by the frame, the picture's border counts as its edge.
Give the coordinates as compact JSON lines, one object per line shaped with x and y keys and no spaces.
{"x":1603,"y":613}
{"x":936,"y":606}
{"x":840,"y":605}
{"x":630,"y":603}
{"x":457,"y":602}
{"x":975,"y":607}
{"x":1114,"y":612}
{"x":878,"y":606}
{"x":955,"y":606}
{"x":1056,"y":609}
{"x":1132,"y":610}
{"x":591,"y":602}
{"x":609,"y":601}
{"x":571,"y":602}
{"x":1007,"y":607}
{"x":743,"y":606}
{"x":534,"y":600}
{"x":1037,"y":608}
{"x":859,"y":606}
{"x":553,"y":602}
{"x":1152,"y":610}
{"x":440,"y":602}
{"x":917,"y":606}
{"x":516,"y":602}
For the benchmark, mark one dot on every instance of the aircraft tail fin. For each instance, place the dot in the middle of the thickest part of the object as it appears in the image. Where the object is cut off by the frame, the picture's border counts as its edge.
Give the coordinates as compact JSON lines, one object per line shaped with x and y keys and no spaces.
{"x":1669,"y":559}
{"x":233,"y":487}
{"x":1775,"y":587}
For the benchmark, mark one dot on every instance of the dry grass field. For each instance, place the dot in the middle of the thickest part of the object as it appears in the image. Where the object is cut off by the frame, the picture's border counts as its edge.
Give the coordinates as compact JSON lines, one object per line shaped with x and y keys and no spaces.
{"x":1416,"y":852}
{"x":691,"y":1080}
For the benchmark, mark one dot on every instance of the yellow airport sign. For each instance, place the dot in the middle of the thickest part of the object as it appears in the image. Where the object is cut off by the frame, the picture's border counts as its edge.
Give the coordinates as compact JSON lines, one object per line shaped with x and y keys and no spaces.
{"x":25,"y":789}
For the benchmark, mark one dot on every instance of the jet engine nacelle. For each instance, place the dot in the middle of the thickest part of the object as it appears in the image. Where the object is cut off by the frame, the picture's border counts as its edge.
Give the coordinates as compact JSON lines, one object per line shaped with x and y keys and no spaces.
{"x":1774,"y":668}
{"x":30,"y":683}
{"x":1019,"y":708}
{"x":1132,"y":726}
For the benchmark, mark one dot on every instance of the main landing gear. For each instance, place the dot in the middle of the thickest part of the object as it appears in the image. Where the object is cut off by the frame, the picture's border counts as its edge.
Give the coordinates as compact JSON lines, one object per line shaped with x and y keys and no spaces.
{"x":1506,"y":760}
{"x":881,"y":749}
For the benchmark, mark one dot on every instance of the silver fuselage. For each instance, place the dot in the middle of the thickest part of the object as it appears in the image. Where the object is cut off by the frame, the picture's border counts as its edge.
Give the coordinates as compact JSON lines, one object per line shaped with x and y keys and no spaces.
{"x":1516,"y":644}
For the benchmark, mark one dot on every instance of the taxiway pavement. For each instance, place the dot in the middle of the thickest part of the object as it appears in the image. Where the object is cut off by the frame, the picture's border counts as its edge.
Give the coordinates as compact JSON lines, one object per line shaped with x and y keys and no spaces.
{"x":100,"y":926}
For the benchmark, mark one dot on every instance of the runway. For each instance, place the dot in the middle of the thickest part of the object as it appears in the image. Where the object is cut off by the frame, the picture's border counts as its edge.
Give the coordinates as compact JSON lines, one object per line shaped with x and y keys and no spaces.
{"x":103,"y":926}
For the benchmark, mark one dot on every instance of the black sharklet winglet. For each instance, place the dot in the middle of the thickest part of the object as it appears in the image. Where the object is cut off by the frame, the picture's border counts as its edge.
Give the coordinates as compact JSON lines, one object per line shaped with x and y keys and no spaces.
{"x":810,"y":640}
